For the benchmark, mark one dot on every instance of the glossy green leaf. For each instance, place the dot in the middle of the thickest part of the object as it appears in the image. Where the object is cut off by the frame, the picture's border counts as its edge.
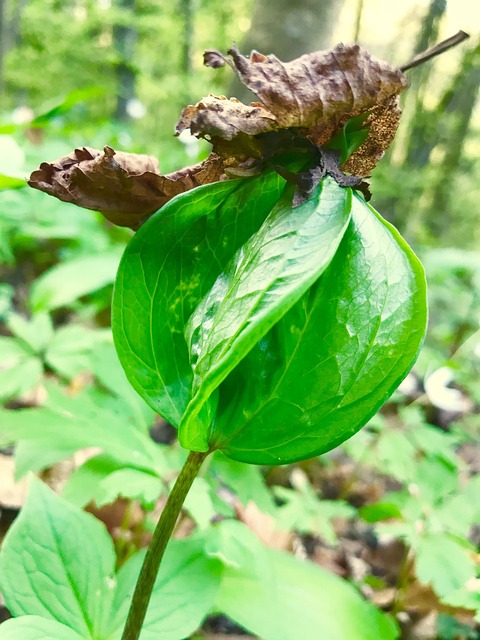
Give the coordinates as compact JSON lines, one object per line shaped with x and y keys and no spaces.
{"x":36,"y":628}
{"x":58,"y":562}
{"x":168,"y":267}
{"x":334,"y":358}
{"x":267,"y":276}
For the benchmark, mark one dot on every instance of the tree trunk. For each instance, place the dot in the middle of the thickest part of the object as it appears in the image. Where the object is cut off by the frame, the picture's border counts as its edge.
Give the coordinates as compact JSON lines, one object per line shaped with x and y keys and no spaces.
{"x":289,"y":29}
{"x":3,"y":37}
{"x":422,"y":132}
{"x":187,"y":36}
{"x":125,"y":38}
{"x":459,"y":103}
{"x":358,"y":21}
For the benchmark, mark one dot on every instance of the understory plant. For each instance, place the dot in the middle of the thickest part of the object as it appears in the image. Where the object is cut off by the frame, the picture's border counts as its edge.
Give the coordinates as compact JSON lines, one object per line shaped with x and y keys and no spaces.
{"x":264,"y":309}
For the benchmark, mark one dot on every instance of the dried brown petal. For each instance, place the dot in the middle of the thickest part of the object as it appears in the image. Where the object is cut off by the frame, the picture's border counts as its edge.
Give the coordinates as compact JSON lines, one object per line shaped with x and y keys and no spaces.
{"x":125,"y":187}
{"x":314,"y":94}
{"x":320,"y":89}
{"x":218,"y":117}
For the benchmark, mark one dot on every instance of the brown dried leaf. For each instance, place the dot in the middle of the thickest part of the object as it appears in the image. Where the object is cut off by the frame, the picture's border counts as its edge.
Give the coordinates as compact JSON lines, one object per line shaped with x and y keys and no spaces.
{"x":125,"y":187}
{"x":263,"y":526}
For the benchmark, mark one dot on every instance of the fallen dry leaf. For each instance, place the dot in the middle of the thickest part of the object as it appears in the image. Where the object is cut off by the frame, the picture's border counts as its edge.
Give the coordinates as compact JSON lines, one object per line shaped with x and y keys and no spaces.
{"x":263,"y":526}
{"x":12,"y":493}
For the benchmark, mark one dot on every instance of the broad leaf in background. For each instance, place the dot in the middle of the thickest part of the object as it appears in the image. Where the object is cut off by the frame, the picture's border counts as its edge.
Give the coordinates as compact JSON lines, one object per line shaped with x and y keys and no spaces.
{"x":444,"y":562}
{"x":267,"y":276}
{"x":11,"y":182}
{"x":278,"y":597}
{"x":58,"y":563}
{"x":67,"y":423}
{"x":184,"y":592}
{"x":68,"y":281}
{"x":20,"y":369}
{"x":334,"y":358}
{"x":36,"y":628}
{"x":305,"y":512}
{"x":168,"y":267}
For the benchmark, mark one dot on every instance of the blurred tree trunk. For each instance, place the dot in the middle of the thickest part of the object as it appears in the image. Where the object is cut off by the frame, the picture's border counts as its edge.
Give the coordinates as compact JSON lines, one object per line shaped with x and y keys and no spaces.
{"x":186,"y":7}
{"x":358,"y":21}
{"x":15,"y":23}
{"x":458,"y":103}
{"x":124,"y":38}
{"x":423,"y":130}
{"x":3,"y":37}
{"x":289,"y":29}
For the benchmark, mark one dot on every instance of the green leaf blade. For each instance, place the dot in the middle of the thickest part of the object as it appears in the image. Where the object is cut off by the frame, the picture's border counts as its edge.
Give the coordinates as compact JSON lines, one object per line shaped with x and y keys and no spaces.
{"x":68,"y":281}
{"x":267,"y":276}
{"x":278,"y":597}
{"x":336,"y":356}
{"x":168,"y":267}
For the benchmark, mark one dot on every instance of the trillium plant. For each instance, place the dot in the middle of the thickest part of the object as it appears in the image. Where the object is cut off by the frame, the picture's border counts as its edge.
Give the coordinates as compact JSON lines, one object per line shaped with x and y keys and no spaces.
{"x":263,"y":307}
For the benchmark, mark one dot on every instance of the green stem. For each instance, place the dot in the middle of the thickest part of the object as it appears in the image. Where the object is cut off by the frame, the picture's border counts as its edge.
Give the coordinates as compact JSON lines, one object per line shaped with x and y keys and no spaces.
{"x":156,"y":549}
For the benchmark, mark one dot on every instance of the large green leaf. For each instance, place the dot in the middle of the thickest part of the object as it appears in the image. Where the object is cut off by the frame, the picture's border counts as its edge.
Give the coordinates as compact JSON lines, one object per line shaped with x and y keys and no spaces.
{"x":267,"y":276}
{"x":58,"y":562}
{"x":226,"y":325}
{"x":334,"y":358}
{"x":168,"y":267}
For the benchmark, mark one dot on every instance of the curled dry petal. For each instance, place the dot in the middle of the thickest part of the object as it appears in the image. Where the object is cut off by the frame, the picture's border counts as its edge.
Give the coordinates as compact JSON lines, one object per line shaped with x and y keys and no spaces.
{"x":218,"y":117}
{"x":314,"y":94}
{"x":125,"y":187}
{"x":308,"y":99}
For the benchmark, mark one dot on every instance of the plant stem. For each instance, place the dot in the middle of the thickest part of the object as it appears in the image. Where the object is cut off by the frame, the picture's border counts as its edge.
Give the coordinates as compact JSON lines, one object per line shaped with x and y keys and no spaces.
{"x":435,"y":51}
{"x":156,"y":549}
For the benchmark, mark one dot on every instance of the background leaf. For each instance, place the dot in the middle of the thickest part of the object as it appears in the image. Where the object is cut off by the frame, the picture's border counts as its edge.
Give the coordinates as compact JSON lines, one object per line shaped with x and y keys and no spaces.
{"x":184,"y":592}
{"x":58,"y":562}
{"x":64,"y":283}
{"x":36,"y":628}
{"x":276,"y":596}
